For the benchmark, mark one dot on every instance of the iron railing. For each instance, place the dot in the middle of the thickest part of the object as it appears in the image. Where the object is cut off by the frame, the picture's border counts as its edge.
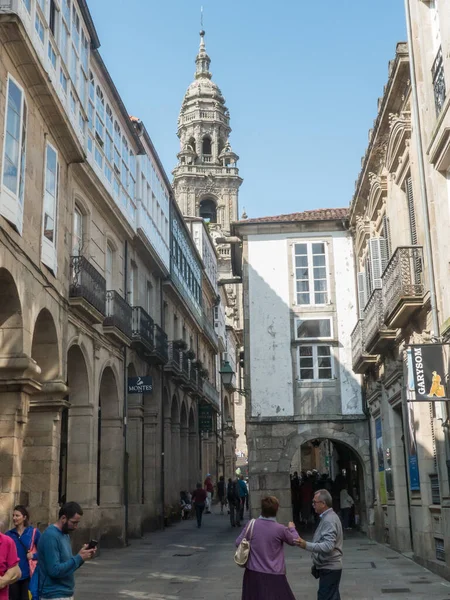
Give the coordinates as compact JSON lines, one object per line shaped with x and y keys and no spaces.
{"x":374,"y":315}
{"x":210,"y":392}
{"x":437,"y":73}
{"x":403,"y":276}
{"x":161,"y":343}
{"x":184,"y":364}
{"x":143,"y":326}
{"x":193,"y":375}
{"x":118,"y":313}
{"x":174,"y":356}
{"x":208,"y":328}
{"x":435,"y":489}
{"x":358,"y":342}
{"x":87,"y":283}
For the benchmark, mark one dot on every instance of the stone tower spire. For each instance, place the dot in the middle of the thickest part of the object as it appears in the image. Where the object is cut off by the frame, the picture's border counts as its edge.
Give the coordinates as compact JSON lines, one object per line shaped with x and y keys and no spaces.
{"x":206,"y":178}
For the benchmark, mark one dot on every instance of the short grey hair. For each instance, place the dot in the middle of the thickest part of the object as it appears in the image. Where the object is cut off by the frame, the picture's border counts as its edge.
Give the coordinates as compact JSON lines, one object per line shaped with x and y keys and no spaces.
{"x":325,"y":496}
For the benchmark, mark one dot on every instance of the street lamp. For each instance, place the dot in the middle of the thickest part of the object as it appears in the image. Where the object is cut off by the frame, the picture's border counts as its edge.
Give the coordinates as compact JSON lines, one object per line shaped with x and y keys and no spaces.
{"x":227,"y":374}
{"x":229,"y":423}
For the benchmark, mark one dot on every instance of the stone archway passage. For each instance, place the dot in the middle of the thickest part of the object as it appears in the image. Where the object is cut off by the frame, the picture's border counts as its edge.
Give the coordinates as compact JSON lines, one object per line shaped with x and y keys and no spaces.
{"x":45,"y":347}
{"x":80,"y":473}
{"x":110,"y":442}
{"x":11,"y":326}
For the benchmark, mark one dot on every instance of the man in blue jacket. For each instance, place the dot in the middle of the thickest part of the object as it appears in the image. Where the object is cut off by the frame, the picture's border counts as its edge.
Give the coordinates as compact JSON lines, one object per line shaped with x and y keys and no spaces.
{"x":56,"y":563}
{"x":243,"y":495}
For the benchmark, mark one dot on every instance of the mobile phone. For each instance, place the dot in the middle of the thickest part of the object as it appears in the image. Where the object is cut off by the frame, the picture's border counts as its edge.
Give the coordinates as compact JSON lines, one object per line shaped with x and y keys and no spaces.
{"x":92,"y":544}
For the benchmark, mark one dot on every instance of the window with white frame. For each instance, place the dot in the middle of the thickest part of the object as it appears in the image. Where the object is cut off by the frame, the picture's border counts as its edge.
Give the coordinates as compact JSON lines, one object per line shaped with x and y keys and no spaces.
{"x":109,"y":266}
{"x":315,"y":362}
{"x":14,"y":155}
{"x":311,"y":273}
{"x":77,"y":240}
{"x":313,"y":328}
{"x":48,"y":255}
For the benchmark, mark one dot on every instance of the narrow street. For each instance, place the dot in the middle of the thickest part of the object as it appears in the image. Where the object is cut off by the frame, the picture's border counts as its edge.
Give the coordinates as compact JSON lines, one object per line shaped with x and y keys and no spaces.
{"x":185,"y":563}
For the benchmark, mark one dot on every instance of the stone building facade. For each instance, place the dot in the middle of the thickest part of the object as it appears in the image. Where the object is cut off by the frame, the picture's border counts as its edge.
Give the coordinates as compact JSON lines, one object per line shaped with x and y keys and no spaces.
{"x":299,"y":305}
{"x":100,"y":281}
{"x":397,"y":280}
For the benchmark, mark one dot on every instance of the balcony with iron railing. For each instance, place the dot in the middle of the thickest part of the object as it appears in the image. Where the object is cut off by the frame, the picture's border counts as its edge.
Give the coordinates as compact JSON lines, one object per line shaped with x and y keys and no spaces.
{"x":211,"y":394}
{"x":87,"y":290}
{"x":437,"y":73}
{"x":160,"y":354}
{"x":377,"y":336}
{"x":209,"y":330}
{"x":361,"y":360}
{"x":143,"y":330}
{"x":173,"y":365}
{"x":118,"y":321}
{"x":403,"y":288}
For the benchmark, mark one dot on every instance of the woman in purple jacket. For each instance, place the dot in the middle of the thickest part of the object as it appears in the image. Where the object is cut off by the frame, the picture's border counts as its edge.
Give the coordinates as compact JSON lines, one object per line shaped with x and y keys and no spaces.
{"x":265,"y":572}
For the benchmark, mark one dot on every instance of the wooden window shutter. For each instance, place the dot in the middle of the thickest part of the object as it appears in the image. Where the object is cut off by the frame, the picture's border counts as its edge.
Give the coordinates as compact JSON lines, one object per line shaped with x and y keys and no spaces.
{"x":378,"y":260}
{"x":362,"y":293}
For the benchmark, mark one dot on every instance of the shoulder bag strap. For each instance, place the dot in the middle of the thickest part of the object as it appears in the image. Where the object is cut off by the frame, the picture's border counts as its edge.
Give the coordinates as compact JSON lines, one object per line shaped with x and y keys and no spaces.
{"x":250,"y":527}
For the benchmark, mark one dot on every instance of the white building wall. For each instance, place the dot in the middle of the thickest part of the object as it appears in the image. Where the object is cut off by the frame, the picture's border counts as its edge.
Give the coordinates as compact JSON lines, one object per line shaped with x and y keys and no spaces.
{"x":270,"y":330}
{"x":344,"y":277}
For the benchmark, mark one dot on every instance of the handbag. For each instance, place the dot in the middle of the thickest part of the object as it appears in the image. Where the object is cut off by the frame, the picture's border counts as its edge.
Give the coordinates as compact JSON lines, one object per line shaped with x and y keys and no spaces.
{"x":242,"y":553}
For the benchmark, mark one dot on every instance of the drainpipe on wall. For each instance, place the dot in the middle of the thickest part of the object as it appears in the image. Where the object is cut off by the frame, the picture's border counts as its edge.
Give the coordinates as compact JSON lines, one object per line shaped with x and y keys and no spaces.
{"x":125,"y":408}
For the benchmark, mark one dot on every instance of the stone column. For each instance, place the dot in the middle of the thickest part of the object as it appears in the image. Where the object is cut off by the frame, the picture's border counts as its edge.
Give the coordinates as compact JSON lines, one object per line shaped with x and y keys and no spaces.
{"x":17,"y":385}
{"x":135,"y":467}
{"x":111,"y":473}
{"x":184,"y":462}
{"x":168,"y":474}
{"x":175,"y":465}
{"x":193,"y":460}
{"x":81,"y":456}
{"x":41,"y":452}
{"x":152,"y":472}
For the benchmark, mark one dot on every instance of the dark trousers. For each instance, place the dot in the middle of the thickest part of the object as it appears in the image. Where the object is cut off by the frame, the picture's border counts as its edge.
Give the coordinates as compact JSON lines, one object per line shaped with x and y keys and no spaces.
{"x":329,"y":585}
{"x":242,"y":507}
{"x":199,"y":508}
{"x":19,"y":590}
{"x":346,"y":517}
{"x":235,"y":510}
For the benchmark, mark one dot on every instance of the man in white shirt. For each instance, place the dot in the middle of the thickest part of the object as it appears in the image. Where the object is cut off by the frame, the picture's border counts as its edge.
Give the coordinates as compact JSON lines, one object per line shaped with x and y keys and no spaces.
{"x":346,"y":507}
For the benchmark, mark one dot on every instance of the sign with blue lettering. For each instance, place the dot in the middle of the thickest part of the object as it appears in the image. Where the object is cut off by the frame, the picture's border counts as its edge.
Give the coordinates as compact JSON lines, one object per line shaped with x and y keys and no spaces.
{"x":140,"y":385}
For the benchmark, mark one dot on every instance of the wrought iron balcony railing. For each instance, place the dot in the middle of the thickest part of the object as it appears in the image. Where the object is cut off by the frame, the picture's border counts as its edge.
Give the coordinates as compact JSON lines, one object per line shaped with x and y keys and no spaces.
{"x":208,"y":328}
{"x":118,"y":313}
{"x":174,"y":358}
{"x":87,"y":283}
{"x":437,"y":73}
{"x":361,"y":360}
{"x":376,"y":334}
{"x":403,"y":288}
{"x":143,"y":327}
{"x":161,"y":347}
{"x":210,"y":392}
{"x":184,"y":365}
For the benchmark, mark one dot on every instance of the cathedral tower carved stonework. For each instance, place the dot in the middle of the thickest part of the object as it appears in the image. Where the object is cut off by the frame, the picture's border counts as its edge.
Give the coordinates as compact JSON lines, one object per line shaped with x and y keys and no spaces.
{"x":206,"y":179}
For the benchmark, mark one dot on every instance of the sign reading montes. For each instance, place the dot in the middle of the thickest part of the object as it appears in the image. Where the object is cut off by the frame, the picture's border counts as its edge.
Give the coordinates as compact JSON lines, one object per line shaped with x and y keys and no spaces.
{"x":140,"y":385}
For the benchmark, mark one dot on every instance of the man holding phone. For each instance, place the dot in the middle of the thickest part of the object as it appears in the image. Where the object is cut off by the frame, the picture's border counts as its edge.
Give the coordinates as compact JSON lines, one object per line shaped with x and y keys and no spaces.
{"x":56,"y":563}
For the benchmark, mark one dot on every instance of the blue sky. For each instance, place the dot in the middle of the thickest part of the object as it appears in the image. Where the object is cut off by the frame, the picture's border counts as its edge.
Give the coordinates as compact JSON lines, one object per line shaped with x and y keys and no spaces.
{"x":301,"y":79}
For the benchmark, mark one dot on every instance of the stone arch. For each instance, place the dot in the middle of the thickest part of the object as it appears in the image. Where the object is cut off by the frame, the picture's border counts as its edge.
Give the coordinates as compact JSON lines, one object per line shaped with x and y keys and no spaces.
{"x":399,"y":137}
{"x":207,"y":145}
{"x":45,"y":346}
{"x":11,"y":324}
{"x":175,"y":410}
{"x":377,"y":194}
{"x":208,"y":210}
{"x":359,"y":447}
{"x":110,"y":441}
{"x":76,"y":478}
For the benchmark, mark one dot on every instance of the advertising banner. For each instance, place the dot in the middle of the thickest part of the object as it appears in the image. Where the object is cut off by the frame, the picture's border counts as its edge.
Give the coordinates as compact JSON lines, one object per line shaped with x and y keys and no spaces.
{"x":428,"y":372}
{"x":413,"y":463}
{"x":380,"y":460}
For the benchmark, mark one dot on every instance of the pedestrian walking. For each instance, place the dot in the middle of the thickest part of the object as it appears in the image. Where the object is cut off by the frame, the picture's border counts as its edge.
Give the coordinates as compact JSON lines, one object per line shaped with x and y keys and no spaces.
{"x":346,"y":502}
{"x":234,"y":503}
{"x":221,"y":493}
{"x":56,"y":563}
{"x":199,"y":498}
{"x":9,"y":565}
{"x":326,"y":547}
{"x":209,"y":492}
{"x":26,"y":539}
{"x":265,"y":571}
{"x":243,"y":495}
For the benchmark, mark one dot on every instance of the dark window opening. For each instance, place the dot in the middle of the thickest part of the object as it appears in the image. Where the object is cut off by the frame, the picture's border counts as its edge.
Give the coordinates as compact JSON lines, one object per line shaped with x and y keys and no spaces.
{"x":207,"y":145}
{"x":208,"y":211}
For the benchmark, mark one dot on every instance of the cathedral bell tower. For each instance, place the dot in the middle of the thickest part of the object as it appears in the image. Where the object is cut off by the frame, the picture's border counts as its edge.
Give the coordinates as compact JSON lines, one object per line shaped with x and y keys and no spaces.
{"x":206,"y":179}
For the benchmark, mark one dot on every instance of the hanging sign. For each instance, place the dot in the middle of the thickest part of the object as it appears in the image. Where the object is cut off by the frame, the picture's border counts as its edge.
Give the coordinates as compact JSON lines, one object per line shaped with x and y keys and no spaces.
{"x":380,"y":457}
{"x":140,"y":385}
{"x":414,"y":479}
{"x":205,"y":417}
{"x":428,"y":372}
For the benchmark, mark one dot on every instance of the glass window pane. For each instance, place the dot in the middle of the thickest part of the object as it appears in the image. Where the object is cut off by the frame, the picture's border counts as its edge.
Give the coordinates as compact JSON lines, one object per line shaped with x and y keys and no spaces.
{"x":313,"y":328}
{"x":323,"y":350}
{"x":325,"y":374}
{"x":306,"y":374}
{"x":318,"y":248}
{"x":303,"y":286}
{"x":320,"y":298}
{"x":319,"y":260}
{"x":301,"y":261}
{"x":303,"y":299}
{"x":302,"y":273}
{"x":320,"y":285}
{"x":301,"y":248}
{"x":14,"y":97}
{"x":306,"y":350}
{"x":320,"y":273}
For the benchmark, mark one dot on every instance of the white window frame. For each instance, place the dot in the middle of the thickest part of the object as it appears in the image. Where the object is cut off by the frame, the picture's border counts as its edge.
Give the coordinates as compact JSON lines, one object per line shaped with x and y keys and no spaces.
{"x":11,"y":204}
{"x":317,"y":318}
{"x":109,"y":268}
{"x":315,"y":357}
{"x":48,"y":247}
{"x":310,"y":255}
{"x":77,"y":236}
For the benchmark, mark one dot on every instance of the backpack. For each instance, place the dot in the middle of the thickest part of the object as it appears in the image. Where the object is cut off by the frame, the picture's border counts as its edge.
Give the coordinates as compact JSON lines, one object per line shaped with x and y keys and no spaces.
{"x":232,"y":492}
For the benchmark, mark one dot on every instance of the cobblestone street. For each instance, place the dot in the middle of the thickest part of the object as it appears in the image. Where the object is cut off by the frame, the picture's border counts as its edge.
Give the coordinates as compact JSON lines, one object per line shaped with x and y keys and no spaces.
{"x":185,"y":563}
